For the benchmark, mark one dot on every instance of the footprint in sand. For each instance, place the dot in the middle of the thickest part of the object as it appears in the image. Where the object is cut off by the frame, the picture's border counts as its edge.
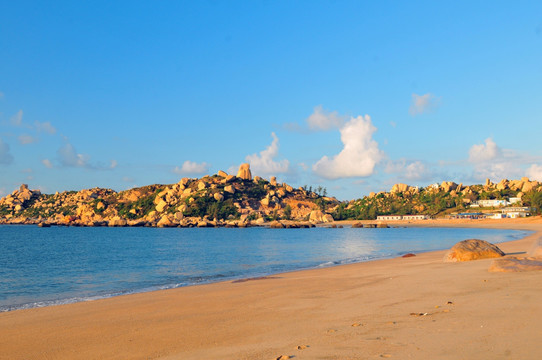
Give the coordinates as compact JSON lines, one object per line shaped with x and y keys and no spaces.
{"x":302,"y":347}
{"x":283,"y":357}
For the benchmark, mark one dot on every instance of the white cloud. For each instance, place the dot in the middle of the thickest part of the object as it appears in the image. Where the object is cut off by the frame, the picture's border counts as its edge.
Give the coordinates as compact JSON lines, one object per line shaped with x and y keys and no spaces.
{"x":113,"y":164}
{"x":44,"y":127}
{"x":321,"y":119}
{"x":264,"y":163}
{"x":484,"y":152}
{"x":17,"y":119}
{"x":26,"y":139}
{"x":5,"y":156}
{"x":359,"y":155}
{"x":190,"y":167}
{"x":534,"y":172}
{"x":69,"y":157}
{"x":47,"y":163}
{"x":415,"y":170}
{"x":423,"y":104}
{"x":492,"y":162}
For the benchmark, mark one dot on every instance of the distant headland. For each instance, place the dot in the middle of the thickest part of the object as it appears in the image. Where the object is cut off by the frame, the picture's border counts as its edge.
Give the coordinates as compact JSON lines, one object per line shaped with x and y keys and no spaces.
{"x":243,"y":200}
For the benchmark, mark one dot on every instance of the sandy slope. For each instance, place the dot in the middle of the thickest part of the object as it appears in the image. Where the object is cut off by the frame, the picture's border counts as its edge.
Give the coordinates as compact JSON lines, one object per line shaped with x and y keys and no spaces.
{"x":468,"y":313}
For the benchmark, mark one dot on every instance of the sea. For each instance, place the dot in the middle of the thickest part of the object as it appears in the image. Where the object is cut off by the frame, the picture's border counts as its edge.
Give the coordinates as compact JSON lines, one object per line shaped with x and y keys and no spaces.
{"x":59,"y":265}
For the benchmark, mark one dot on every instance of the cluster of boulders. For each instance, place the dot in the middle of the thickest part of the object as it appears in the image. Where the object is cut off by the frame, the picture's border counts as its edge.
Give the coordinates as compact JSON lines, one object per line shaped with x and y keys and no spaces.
{"x":19,"y":199}
{"x":255,"y":201}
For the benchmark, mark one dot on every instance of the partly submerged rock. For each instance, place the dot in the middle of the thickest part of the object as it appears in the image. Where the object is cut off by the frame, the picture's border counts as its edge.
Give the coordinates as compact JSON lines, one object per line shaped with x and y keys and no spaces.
{"x":472,"y":249}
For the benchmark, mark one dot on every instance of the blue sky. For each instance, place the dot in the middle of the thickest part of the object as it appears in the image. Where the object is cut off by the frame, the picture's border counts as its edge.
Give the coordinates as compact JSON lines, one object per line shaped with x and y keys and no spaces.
{"x":350,"y":95}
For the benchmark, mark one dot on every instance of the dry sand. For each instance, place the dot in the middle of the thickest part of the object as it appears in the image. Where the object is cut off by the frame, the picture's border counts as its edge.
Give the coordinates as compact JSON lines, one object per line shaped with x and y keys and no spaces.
{"x":404,"y":308}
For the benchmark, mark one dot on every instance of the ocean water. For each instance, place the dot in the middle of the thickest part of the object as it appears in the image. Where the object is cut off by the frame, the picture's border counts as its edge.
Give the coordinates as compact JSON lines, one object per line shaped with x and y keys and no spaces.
{"x":58,"y":265}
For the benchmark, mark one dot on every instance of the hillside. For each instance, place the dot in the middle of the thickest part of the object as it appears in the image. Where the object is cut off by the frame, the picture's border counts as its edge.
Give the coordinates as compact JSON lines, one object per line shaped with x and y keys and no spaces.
{"x":240,"y":200}
{"x":218,"y":200}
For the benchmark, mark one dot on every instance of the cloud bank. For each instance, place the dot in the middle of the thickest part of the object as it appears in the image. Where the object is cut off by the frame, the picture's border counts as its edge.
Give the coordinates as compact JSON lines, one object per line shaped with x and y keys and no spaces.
{"x":359,"y":155}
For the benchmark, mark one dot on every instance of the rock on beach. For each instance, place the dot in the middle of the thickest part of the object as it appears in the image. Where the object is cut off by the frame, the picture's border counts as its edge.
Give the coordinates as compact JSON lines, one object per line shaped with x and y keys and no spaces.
{"x":472,"y":249}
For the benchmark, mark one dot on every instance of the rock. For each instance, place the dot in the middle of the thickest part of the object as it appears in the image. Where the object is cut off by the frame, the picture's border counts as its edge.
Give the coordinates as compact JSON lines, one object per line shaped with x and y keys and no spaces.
{"x":265,"y":201}
{"x":400,"y":188}
{"x":408,"y":255}
{"x":327,"y":218}
{"x":202,"y":223}
{"x":218,"y":196}
{"x":472,"y":249}
{"x":276,"y":225}
{"x":357,"y":225}
{"x":273,"y":181}
{"x":179,"y":216}
{"x":117,"y":221}
{"x":222,"y":173}
{"x":229,"y":189}
{"x":502,"y":185}
{"x":244,"y":172}
{"x":202,"y":185}
{"x":164,"y":222}
{"x":448,"y":186}
{"x":527,"y":186}
{"x":382,"y":225}
{"x":317,"y":217}
{"x":161,"y":206}
{"x":515,"y":265}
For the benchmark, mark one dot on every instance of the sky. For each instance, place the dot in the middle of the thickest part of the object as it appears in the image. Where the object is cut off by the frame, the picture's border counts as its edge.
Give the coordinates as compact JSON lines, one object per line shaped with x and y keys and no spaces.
{"x":353,"y":96}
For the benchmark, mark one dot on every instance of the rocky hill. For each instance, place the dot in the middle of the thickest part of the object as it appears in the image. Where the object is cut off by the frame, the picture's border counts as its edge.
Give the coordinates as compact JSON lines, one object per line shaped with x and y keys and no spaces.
{"x":438,"y":199}
{"x":241,"y":200}
{"x":218,"y":200}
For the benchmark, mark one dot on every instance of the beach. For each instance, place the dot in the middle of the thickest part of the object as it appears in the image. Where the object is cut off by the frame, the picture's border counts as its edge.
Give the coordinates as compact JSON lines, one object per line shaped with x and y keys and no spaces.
{"x":404,"y":308}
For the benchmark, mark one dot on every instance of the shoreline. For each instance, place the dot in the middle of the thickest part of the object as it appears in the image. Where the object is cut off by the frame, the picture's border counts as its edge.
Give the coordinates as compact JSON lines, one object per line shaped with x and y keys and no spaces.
{"x":263,"y":318}
{"x":241,"y":278}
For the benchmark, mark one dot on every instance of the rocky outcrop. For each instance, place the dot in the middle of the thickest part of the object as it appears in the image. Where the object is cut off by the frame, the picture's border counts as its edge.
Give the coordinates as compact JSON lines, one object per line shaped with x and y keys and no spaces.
{"x":244,"y":172}
{"x":400,"y":188}
{"x":318,"y":217}
{"x":472,"y":249}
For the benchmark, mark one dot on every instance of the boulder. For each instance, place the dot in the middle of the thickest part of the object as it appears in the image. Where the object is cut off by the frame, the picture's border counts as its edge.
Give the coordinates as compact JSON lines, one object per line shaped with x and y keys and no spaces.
{"x":273,"y":181}
{"x":202,"y":185}
{"x":229,"y":189}
{"x":448,"y":186}
{"x":164,"y":222}
{"x":472,"y":249}
{"x":161,"y":206}
{"x":218,"y":196}
{"x":276,"y":225}
{"x":222,"y":173}
{"x":317,"y":216}
{"x":244,"y":172}
{"x":327,"y":218}
{"x":400,"y":188}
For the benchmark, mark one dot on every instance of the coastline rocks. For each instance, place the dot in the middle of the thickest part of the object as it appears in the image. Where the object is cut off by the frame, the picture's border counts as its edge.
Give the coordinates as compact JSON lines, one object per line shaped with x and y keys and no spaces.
{"x":244,"y":172}
{"x":317,"y":217}
{"x":472,"y":249}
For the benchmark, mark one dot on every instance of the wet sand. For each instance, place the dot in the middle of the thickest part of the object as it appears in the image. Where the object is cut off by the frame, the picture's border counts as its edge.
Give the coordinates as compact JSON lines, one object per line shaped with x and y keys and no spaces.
{"x":404,"y":308}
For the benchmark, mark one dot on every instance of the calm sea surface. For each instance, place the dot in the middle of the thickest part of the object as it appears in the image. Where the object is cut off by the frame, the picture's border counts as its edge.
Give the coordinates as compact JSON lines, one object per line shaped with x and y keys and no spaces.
{"x":57,"y":265}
